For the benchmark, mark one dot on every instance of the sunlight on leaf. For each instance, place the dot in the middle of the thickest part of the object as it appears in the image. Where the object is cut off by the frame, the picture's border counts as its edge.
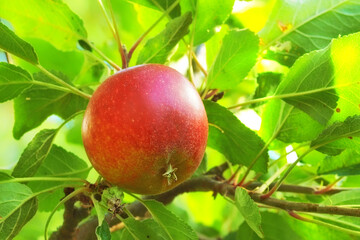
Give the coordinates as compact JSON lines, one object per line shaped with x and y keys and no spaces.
{"x":313,"y":23}
{"x":209,"y":14}
{"x":52,"y":21}
{"x":324,"y":86}
{"x":311,"y":71}
{"x":235,"y":59}
{"x":345,"y":53}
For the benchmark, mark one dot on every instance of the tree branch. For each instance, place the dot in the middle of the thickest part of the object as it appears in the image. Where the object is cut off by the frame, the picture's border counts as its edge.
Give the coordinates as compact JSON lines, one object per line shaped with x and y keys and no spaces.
{"x":72,"y":217}
{"x":207,"y":183}
{"x":296,"y":188}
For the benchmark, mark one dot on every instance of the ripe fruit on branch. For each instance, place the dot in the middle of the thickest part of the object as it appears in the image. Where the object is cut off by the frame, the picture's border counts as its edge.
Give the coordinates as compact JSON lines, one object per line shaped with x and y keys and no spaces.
{"x":145,"y":129}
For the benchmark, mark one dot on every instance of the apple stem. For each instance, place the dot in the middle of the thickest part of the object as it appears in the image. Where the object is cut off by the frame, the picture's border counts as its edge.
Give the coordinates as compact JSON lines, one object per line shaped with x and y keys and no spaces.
{"x":170,"y":174}
{"x":117,"y":38}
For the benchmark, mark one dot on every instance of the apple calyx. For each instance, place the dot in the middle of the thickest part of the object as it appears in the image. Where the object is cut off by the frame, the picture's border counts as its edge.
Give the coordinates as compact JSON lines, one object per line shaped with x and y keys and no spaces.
{"x":170,"y":174}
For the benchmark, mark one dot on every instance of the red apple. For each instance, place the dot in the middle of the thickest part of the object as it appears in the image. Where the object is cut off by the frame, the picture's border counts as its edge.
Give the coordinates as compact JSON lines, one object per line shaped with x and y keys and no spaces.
{"x":145,"y":129}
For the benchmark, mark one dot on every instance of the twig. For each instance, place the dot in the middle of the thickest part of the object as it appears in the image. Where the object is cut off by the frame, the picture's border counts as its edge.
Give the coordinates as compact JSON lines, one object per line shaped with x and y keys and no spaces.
{"x":297,"y":189}
{"x":218,"y":170}
{"x":65,"y":199}
{"x":313,"y":220}
{"x":329,"y":187}
{"x":191,"y":46}
{"x":206,"y":183}
{"x":117,"y":38}
{"x":282,"y":179}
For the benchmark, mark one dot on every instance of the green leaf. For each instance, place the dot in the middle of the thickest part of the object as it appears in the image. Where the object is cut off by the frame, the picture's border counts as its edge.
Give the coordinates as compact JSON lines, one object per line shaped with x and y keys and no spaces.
{"x":4,"y":176}
{"x":315,"y":65}
{"x":311,"y":24}
{"x":58,"y":163}
{"x":214,"y":44}
{"x":38,"y":103}
{"x":103,"y":231}
{"x":159,"y":48}
{"x":267,"y":84}
{"x":34,"y":154}
{"x":345,"y":53}
{"x":50,"y":20}
{"x":339,"y":136}
{"x":274,"y":225}
{"x":160,"y":5}
{"x":100,"y":212}
{"x":344,"y":198}
{"x":18,"y":206}
{"x":147,"y":229}
{"x":233,"y":139}
{"x":324,"y":83}
{"x":296,"y":120}
{"x":209,"y":14}
{"x":13,"y":81}
{"x":15,"y":45}
{"x":249,"y":210}
{"x":285,"y":54}
{"x":277,"y":112}
{"x":235,"y":59}
{"x":172,"y":225}
{"x":345,"y":164}
{"x":315,"y":231}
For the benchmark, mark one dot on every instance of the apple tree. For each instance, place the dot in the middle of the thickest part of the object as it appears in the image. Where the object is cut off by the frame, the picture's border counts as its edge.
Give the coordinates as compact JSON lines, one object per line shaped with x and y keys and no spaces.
{"x":260,"y":132}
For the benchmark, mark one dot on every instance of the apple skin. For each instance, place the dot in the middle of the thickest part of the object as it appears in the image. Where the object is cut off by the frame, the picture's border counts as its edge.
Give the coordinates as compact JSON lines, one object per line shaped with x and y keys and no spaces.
{"x":141,"y":121}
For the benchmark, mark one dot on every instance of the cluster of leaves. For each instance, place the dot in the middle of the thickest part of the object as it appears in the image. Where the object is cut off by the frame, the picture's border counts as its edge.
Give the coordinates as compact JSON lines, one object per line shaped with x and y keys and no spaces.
{"x":298,"y":72}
